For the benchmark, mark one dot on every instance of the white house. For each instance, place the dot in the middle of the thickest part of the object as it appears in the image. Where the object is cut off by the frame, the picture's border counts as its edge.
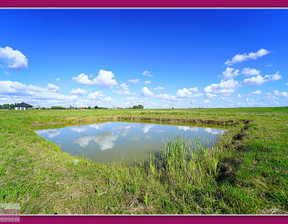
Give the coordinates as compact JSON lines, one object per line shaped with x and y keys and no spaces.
{"x":22,"y":106}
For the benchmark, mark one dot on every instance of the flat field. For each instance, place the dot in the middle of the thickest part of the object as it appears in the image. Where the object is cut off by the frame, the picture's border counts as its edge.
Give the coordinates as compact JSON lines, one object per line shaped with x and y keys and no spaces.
{"x":245,"y":173}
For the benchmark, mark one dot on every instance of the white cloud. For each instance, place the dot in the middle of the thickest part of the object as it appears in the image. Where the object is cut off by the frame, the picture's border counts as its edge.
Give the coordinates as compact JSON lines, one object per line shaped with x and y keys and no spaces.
{"x":255,"y":80}
{"x":34,"y":95}
{"x":78,"y":91}
{"x":210,"y":95}
{"x":184,"y":93}
{"x":53,"y":87}
{"x":17,"y":88}
{"x":273,"y":77}
{"x":239,"y":96}
{"x":13,"y":59}
{"x":124,"y":90}
{"x":206,"y":101}
{"x":287,"y":84}
{"x":159,"y":88}
{"x":83,"y":79}
{"x":166,"y":97}
{"x":147,"y":82}
{"x":108,"y":99}
{"x":259,"y":80}
{"x":58,"y":79}
{"x":105,"y":79}
{"x":280,"y":94}
{"x":250,"y":71}
{"x":227,"y":99}
{"x":95,"y":95}
{"x":134,"y":80}
{"x":257,"y":92}
{"x":230,"y":73}
{"x":224,"y":87}
{"x":147,"y":73}
{"x":146,"y":92}
{"x":244,"y":57}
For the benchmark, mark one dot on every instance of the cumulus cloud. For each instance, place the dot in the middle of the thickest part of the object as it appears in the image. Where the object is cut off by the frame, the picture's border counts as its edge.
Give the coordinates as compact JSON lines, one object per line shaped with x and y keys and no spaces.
{"x":210,"y":95}
{"x":259,"y":80}
{"x":257,"y":92}
{"x":83,"y":79}
{"x":147,"y":73}
{"x":244,"y":57}
{"x":13,"y":59}
{"x":134,"y":81}
{"x":206,"y":101}
{"x":273,"y":77}
{"x":159,"y":88}
{"x":166,"y":97}
{"x":185,"y":93}
{"x":239,"y":96}
{"x":146,"y":92}
{"x":280,"y":94}
{"x":123,"y":91}
{"x":78,"y":91}
{"x":224,"y":87}
{"x":53,"y":87}
{"x":230,"y":73}
{"x":16,"y":91}
{"x":147,"y":82}
{"x":250,"y":71}
{"x":105,"y":79}
{"x":255,"y":80}
{"x":95,"y":95}
{"x":17,"y":88}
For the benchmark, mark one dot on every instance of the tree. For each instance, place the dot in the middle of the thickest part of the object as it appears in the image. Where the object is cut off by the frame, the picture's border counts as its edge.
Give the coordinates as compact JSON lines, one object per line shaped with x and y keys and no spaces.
{"x":138,"y":106}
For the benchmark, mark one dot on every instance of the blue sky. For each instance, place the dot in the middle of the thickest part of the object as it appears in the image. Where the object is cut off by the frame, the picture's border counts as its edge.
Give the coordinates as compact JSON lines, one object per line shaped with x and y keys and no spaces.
{"x":159,"y":58}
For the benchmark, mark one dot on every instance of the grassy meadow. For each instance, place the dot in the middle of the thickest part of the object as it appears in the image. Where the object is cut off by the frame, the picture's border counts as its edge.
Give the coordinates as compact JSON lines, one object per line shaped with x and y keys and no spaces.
{"x":245,"y":173}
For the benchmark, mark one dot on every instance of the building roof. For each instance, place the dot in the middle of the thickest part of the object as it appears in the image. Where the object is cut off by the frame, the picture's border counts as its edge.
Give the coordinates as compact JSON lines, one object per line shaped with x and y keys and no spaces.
{"x":23,"y":105}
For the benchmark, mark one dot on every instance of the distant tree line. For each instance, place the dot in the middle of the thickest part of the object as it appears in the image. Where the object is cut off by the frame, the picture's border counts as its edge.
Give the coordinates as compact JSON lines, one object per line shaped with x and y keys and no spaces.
{"x":7,"y":106}
{"x":96,"y":107}
{"x":11,"y":106}
{"x":138,"y":106}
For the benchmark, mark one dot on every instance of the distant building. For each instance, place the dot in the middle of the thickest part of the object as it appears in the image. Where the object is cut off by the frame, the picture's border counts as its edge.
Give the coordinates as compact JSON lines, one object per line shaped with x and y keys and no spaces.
{"x":22,"y":106}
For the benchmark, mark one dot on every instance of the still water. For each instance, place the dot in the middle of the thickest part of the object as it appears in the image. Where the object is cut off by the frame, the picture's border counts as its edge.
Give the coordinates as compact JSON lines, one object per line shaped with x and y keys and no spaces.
{"x":121,"y":141}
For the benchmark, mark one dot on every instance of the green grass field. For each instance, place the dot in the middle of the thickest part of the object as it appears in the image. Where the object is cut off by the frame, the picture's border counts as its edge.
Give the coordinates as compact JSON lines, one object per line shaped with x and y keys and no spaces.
{"x":245,"y":173}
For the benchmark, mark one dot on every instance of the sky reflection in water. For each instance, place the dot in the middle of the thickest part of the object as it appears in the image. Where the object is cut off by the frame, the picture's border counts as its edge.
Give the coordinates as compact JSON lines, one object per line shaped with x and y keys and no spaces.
{"x":121,"y":141}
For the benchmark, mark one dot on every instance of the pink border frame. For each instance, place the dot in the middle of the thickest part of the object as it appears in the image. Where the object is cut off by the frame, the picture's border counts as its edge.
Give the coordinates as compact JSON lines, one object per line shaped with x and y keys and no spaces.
{"x":143,"y":3}
{"x":124,"y":219}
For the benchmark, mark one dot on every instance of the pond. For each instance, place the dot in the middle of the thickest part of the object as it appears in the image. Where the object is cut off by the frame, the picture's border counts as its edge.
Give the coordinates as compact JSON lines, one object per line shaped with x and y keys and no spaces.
{"x":122,"y":141}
